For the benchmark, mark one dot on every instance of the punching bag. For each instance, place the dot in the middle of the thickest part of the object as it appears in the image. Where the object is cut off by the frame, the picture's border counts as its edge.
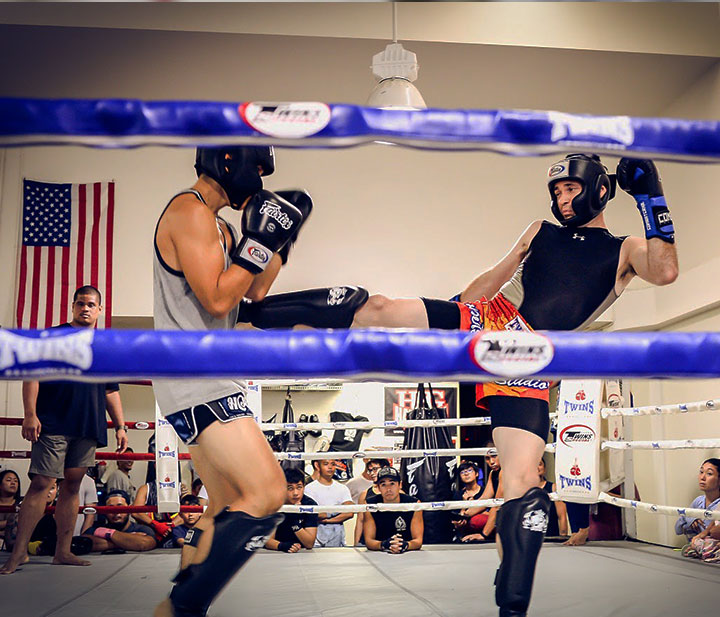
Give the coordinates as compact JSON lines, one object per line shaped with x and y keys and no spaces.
{"x":429,"y":478}
{"x":292,"y":441}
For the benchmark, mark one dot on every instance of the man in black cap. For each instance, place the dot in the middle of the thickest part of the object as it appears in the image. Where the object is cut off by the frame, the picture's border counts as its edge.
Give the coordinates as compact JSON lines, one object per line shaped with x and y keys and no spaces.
{"x":392,"y":532}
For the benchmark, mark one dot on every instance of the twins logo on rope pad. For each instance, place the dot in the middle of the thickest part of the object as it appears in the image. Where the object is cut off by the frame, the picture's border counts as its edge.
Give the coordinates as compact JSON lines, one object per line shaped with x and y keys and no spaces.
{"x":511,"y":353}
{"x":71,"y":349}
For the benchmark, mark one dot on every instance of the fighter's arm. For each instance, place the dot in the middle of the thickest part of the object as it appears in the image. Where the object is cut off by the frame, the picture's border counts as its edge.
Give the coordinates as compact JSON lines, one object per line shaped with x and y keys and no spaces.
{"x":263,"y":281}
{"x":194,"y":235}
{"x":653,"y":260}
{"x":306,"y":536}
{"x":369,"y":532}
{"x":417,"y":529}
{"x":490,"y":281}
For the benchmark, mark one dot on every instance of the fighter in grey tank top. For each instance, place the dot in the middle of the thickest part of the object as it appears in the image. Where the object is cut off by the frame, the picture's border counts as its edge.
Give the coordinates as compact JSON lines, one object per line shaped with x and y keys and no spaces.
{"x":176,"y":307}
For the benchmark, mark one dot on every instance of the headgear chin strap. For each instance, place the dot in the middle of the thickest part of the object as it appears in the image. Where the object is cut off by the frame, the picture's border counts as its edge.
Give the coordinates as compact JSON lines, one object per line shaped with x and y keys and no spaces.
{"x":235,"y":169}
{"x":592,"y":175}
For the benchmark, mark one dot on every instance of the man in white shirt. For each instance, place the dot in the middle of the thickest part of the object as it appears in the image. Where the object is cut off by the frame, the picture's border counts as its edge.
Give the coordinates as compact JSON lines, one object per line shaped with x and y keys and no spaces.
{"x":120,"y":478}
{"x":88,"y":497}
{"x":327,"y":492}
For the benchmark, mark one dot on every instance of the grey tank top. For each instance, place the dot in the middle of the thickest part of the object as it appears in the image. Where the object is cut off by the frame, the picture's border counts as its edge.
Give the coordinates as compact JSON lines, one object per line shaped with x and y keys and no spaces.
{"x":176,"y":307}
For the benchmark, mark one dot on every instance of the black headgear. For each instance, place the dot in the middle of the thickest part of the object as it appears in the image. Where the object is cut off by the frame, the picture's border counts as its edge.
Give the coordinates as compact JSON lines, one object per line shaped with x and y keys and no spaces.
{"x":235,"y":169}
{"x":592,"y":175}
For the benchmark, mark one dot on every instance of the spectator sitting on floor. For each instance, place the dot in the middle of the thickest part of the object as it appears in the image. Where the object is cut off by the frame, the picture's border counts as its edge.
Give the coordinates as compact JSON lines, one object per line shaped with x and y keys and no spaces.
{"x":469,"y":489}
{"x":705,"y":545}
{"x":195,"y":487}
{"x":161,"y":523}
{"x":481,"y":520}
{"x":87,"y":496}
{"x":372,"y":466}
{"x":297,"y":531}
{"x":709,"y":483}
{"x":9,"y":496}
{"x":392,"y":532}
{"x":557,"y":524}
{"x":120,"y":477}
{"x":328,"y":492}
{"x":179,"y":532}
{"x":119,"y":533}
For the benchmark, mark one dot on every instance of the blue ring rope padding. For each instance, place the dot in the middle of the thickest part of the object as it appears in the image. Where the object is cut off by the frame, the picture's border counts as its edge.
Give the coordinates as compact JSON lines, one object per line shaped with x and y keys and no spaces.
{"x":124,"y":123}
{"x":104,"y":355}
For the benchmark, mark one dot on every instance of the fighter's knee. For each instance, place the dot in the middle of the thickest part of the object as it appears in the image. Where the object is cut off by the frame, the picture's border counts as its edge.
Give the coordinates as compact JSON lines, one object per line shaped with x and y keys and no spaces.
{"x":275,"y":498}
{"x":372,"y":311}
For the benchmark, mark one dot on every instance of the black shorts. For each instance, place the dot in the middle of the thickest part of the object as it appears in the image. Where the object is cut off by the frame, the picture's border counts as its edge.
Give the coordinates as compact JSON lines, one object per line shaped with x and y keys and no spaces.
{"x":189,"y":423}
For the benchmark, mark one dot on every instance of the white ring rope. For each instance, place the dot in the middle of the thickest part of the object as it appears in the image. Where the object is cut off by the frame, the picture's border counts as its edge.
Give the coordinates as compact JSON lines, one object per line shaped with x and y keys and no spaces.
{"x":664,"y":510}
{"x":395,"y":507}
{"x":364,"y":426}
{"x":425,"y":453}
{"x":651,"y":410}
{"x":669,"y":444}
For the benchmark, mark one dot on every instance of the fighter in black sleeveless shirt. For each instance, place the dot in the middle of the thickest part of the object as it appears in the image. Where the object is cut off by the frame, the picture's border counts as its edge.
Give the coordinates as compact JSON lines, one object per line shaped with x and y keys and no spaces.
{"x":555,"y":277}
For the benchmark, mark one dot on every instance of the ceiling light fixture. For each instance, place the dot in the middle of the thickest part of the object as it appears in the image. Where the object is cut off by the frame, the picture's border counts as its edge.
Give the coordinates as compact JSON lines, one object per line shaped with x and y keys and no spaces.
{"x":395,"y":69}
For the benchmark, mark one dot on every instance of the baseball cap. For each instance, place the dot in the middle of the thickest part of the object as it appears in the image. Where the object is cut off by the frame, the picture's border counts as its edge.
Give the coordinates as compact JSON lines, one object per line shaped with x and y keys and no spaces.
{"x":387,"y":473}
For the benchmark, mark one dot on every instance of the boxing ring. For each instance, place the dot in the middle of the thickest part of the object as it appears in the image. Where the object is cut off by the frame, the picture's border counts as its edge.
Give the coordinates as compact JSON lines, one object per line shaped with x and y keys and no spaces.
{"x":601,"y":578}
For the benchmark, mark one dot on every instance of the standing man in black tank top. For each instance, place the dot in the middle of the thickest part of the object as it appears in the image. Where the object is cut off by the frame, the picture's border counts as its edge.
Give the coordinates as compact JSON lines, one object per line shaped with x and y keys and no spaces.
{"x":201,"y":272}
{"x":557,"y":277}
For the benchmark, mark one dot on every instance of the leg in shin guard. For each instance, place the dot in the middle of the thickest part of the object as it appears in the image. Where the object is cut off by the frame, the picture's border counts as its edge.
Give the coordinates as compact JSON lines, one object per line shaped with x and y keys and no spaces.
{"x":521,"y":525}
{"x":236,"y":537}
{"x":327,"y":307}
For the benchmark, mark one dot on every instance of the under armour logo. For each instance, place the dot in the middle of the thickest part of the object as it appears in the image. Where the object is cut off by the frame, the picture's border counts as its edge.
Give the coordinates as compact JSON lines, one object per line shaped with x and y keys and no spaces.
{"x":578,"y":237}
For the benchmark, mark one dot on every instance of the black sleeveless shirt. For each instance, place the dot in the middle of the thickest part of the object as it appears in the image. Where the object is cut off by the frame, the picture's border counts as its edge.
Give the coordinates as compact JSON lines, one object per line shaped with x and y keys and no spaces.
{"x":387,"y":524}
{"x":567,"y":278}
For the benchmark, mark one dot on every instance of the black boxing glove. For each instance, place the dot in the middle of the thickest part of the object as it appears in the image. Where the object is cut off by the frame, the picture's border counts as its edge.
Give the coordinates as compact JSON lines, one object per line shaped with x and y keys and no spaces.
{"x":404,"y":545}
{"x":285,"y":546}
{"x":640,"y":178}
{"x":385,"y":545}
{"x":268,"y":222}
{"x":303,"y":202}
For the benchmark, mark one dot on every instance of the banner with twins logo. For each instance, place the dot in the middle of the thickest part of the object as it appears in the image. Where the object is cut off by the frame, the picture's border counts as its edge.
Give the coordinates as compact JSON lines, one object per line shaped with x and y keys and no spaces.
{"x":166,"y":461}
{"x":577,"y":456}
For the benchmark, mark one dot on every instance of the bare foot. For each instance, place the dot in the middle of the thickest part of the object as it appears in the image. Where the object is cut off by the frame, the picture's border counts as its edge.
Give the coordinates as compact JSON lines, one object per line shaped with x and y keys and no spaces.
{"x":164,"y":609}
{"x":577,"y":539}
{"x":69,"y":560}
{"x":13,"y":564}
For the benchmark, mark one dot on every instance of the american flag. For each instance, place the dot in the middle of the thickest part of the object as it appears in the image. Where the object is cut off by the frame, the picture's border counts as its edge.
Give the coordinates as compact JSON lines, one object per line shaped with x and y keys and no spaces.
{"x":67,"y":242}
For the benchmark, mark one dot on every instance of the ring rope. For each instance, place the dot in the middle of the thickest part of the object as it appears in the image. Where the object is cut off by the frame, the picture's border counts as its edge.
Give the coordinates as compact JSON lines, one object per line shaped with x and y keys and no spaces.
{"x":296,"y":456}
{"x":127,"y":123}
{"x":651,"y":410}
{"x":109,"y":355}
{"x":655,"y":509}
{"x":668,"y":444}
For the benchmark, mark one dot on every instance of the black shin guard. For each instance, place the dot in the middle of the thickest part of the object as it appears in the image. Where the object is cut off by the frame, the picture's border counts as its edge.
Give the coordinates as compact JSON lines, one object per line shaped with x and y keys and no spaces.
{"x":521,"y":525}
{"x":236,"y":537}
{"x":327,"y":307}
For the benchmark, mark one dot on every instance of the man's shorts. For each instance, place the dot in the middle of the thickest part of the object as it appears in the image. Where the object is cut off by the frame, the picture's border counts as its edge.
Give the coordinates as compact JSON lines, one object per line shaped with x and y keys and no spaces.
{"x":499,"y":314}
{"x":51,"y":455}
{"x":189,"y":423}
{"x":330,"y":535}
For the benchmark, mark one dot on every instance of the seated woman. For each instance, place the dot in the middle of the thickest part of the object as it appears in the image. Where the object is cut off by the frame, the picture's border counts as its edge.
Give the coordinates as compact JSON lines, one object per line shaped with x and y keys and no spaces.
{"x":558,"y":524}
{"x":9,"y":496}
{"x":481,"y":520}
{"x":705,"y":545}
{"x":709,"y":483}
{"x":469,"y":478}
